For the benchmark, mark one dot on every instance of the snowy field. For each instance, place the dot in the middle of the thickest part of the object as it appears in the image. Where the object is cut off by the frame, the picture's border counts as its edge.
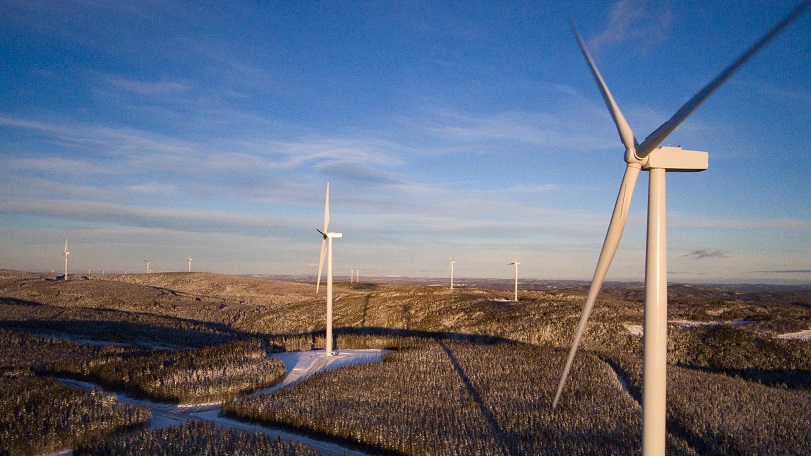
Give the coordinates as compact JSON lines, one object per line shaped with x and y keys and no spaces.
{"x":299,"y":365}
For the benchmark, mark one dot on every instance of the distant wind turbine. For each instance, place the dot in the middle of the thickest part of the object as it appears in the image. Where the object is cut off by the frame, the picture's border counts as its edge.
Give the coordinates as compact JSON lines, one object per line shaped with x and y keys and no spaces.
{"x":189,"y":263}
{"x":656,"y":160}
{"x":516,"y":263}
{"x":351,"y":275}
{"x":326,"y":247}
{"x":147,"y":266}
{"x":65,"y":277}
{"x":357,"y":275}
{"x":452,"y":263}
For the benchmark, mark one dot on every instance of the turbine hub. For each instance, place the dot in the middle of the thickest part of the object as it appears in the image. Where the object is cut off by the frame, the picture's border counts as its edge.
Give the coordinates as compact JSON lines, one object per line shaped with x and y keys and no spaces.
{"x":632,"y":159}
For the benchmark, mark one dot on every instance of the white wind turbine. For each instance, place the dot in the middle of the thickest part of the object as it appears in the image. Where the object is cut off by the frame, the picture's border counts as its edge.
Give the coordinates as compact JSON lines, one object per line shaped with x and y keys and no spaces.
{"x":452,"y":263}
{"x":516,"y":263}
{"x":351,"y":275}
{"x":326,"y":247}
{"x":147,"y":266}
{"x":188,"y":261}
{"x":656,"y":160}
{"x":65,"y":277}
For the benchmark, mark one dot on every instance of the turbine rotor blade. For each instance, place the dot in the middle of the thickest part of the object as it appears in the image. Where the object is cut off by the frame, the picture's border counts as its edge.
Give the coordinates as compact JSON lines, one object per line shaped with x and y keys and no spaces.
{"x":321,"y":263}
{"x":326,"y":211}
{"x":612,"y":240}
{"x":654,"y":139}
{"x":624,"y":130}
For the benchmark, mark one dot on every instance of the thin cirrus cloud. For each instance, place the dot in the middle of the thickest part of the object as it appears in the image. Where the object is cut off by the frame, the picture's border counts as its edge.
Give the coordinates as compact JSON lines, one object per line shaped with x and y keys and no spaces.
{"x":133,"y":216}
{"x":788,"y":271}
{"x":634,"y":19}
{"x":702,"y":254}
{"x":104,"y":140}
{"x":359,"y":173}
{"x":536,"y":129}
{"x":148,"y":88}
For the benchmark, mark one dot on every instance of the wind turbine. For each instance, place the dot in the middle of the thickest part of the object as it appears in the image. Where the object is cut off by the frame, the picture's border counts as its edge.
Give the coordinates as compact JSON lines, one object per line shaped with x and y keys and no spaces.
{"x":147,"y":266}
{"x":327,"y":247}
{"x":452,"y":263}
{"x":65,"y":277}
{"x":357,"y":275}
{"x":351,"y":275}
{"x":516,"y":263}
{"x":189,"y":262}
{"x":656,"y":160}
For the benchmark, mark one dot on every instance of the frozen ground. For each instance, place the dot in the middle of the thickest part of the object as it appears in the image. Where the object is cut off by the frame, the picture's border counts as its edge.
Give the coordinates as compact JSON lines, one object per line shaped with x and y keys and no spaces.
{"x":302,"y":365}
{"x":638,"y":330}
{"x":801,"y":335}
{"x":299,"y":365}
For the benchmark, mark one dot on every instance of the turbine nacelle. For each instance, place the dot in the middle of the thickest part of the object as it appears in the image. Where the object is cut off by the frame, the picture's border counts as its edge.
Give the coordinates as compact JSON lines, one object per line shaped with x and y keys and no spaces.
{"x":676,"y":159}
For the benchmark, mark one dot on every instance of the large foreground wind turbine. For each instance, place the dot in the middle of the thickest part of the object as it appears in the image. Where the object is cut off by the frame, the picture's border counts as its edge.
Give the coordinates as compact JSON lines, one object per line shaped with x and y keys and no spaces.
{"x":326,"y":247}
{"x":656,"y":160}
{"x":65,"y":277}
{"x":516,"y":263}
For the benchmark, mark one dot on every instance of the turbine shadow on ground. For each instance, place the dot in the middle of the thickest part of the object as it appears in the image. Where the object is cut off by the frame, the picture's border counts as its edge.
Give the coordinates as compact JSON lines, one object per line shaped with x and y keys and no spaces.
{"x":281,"y":342}
{"x":781,"y":378}
{"x":486,"y":412}
{"x":129,"y":333}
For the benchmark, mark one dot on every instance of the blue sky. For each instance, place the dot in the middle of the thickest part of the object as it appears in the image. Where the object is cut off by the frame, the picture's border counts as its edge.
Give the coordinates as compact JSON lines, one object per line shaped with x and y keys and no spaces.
{"x":473,"y":130}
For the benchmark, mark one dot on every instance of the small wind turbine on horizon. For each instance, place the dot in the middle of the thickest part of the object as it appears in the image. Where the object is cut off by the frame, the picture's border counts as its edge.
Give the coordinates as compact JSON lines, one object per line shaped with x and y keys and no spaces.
{"x":147,"y":266}
{"x":326,"y":247}
{"x":66,"y":253}
{"x":452,"y":263}
{"x":516,"y":263}
{"x":351,"y":275}
{"x":189,"y":263}
{"x":657,"y":161}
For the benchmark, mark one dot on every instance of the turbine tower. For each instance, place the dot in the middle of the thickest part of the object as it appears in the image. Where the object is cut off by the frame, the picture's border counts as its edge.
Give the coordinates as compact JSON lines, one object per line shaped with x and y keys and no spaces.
{"x":188,"y":261}
{"x":65,"y":277}
{"x":452,"y":263}
{"x":516,"y":263}
{"x":326,"y":247}
{"x":351,"y":275}
{"x":147,"y":266}
{"x":657,"y":161}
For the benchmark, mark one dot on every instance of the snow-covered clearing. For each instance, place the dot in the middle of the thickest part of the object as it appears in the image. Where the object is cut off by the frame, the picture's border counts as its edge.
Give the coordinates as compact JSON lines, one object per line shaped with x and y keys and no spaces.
{"x":639,"y":331}
{"x":801,"y":335}
{"x":302,"y":365}
{"x":299,"y":365}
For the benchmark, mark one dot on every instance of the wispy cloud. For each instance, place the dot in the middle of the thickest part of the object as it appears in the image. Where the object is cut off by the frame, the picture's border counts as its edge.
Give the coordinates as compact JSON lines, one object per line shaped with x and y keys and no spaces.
{"x":122,"y":215}
{"x":737,"y":224}
{"x":788,"y":271}
{"x":148,"y":88}
{"x":633,"y":19}
{"x":537,"y":129}
{"x":107,"y":141}
{"x":706,"y":253}
{"x":59,"y":165}
{"x":358,"y":173}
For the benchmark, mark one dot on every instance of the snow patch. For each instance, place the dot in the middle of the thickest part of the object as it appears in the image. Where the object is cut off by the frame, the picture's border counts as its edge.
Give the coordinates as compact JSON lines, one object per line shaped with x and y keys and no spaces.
{"x":639,"y":331}
{"x":635,"y":330}
{"x":302,"y":365}
{"x":801,"y":335}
